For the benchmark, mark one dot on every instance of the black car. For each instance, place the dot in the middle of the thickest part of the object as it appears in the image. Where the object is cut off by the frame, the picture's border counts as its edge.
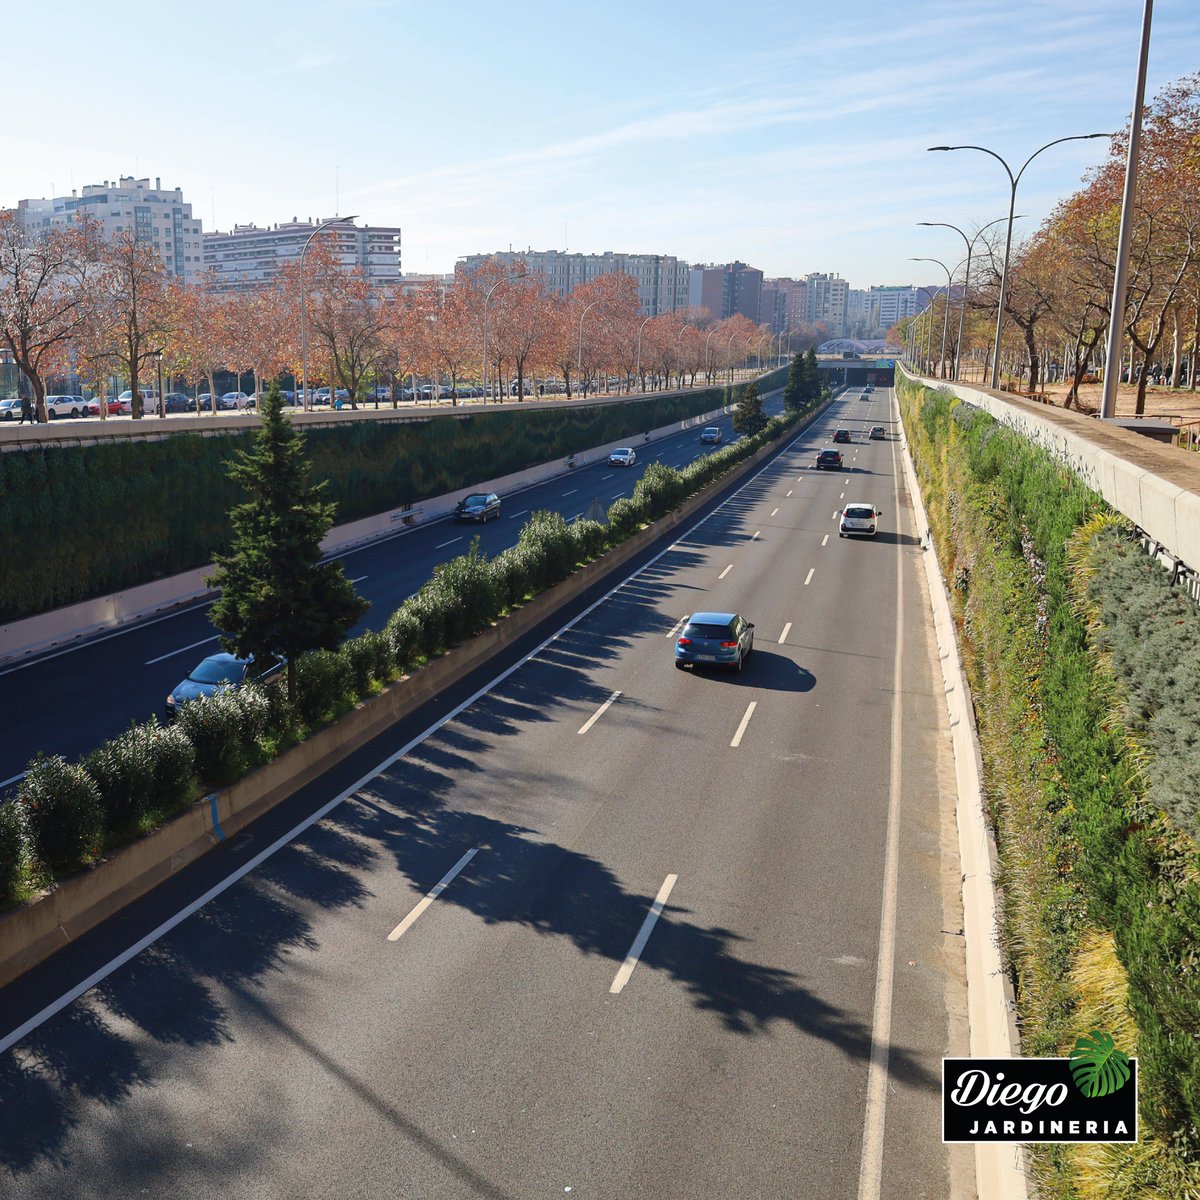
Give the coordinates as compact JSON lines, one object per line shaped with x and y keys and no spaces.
{"x":841,"y":435}
{"x":829,"y":459}
{"x":478,"y":506}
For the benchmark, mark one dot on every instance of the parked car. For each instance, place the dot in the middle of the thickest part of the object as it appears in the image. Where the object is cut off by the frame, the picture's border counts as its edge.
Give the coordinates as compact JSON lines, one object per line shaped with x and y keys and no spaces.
{"x":478,"y":506}
{"x":719,"y":638}
{"x":623,"y":457}
{"x":65,"y":406}
{"x":712,"y":435}
{"x":177,"y":402}
{"x":215,"y":672}
{"x":232,"y":400}
{"x":878,"y":433}
{"x":859,"y":518}
{"x":10,"y":410}
{"x":841,"y":435}
{"x":112,"y":404}
{"x":829,"y":460}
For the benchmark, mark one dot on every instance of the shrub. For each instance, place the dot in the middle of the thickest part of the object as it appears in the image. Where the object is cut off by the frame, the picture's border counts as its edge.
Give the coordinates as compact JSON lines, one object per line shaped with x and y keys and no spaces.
{"x":13,"y":848}
{"x":625,"y":518}
{"x":591,"y":539}
{"x":370,"y":658}
{"x":174,"y":766}
{"x":216,"y":727}
{"x":660,"y":490}
{"x":403,"y":634}
{"x":324,"y":682}
{"x":63,"y":810}
{"x":512,"y":575}
{"x":465,"y":591}
{"x":123,"y":769}
{"x":547,"y":537}
{"x":427,"y":610}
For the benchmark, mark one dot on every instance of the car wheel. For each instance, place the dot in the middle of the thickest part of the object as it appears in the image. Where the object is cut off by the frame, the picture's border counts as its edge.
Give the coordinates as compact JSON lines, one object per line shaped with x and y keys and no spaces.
{"x":680,"y":666}
{"x":741,"y":662}
{"x":51,"y":414}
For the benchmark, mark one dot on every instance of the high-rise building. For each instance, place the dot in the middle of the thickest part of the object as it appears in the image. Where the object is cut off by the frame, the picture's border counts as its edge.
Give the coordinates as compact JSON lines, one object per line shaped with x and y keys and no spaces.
{"x":727,"y":289}
{"x":250,"y":257}
{"x":888,"y":304}
{"x":662,"y":280}
{"x":157,"y":215}
{"x":826,"y":302}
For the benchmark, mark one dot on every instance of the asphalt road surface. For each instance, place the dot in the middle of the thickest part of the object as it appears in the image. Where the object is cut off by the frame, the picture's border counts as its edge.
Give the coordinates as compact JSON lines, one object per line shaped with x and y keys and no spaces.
{"x":587,"y":926}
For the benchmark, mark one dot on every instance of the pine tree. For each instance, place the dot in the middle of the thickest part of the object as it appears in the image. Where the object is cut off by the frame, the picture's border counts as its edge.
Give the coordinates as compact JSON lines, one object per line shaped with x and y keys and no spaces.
{"x":748,"y":417}
{"x":793,"y":392}
{"x":812,"y":377}
{"x":278,"y":599}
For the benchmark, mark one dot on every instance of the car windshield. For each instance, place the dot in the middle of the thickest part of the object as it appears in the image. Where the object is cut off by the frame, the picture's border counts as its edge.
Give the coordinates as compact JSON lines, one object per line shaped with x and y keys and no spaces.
{"x":717,"y":633}
{"x":218,"y":670}
{"x":860,"y":512}
{"x":712,"y":429}
{"x":475,"y":500}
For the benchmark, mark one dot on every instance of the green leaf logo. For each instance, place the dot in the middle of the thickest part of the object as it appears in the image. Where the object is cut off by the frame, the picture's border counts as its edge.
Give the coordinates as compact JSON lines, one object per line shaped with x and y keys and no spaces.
{"x":1097,"y":1066}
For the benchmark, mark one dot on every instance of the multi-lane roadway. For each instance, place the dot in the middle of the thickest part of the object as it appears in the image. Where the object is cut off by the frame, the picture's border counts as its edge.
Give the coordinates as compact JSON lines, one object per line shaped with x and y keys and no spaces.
{"x":588,"y":926}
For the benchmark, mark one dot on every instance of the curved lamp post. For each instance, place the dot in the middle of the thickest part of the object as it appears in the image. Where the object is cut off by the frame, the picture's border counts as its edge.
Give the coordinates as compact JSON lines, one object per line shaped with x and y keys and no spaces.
{"x":707,"y":360}
{"x":970,"y":244}
{"x":637,"y":371}
{"x":579,"y":365}
{"x":304,"y":304}
{"x":487,"y":394}
{"x":931,"y":293}
{"x":1012,"y":204}
{"x":945,"y":309}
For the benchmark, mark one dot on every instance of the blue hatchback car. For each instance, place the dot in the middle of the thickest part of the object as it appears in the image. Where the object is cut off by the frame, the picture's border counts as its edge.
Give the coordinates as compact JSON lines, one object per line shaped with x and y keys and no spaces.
{"x":216,"y":672}
{"x":716,"y":638}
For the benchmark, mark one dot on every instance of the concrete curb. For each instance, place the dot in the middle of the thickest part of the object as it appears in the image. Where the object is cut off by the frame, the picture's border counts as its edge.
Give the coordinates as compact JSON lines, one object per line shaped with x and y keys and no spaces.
{"x":991,"y":1011}
{"x":37,"y":929}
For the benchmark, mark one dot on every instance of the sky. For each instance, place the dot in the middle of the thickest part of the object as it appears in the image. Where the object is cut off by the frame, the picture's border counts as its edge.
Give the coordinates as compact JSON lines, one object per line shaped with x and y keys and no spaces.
{"x":791,"y":136}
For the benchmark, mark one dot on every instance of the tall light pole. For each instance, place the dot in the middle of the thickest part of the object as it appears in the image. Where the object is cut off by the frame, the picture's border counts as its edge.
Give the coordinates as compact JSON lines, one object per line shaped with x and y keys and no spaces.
{"x":679,"y":351}
{"x":932,"y":294}
{"x":707,"y":360}
{"x":945,"y":309}
{"x":162,"y":404}
{"x":579,"y":367}
{"x":970,"y":244}
{"x":638,"y":369}
{"x":1012,"y":206}
{"x":729,"y":355}
{"x":487,"y":393}
{"x":1116,"y":321}
{"x":304,"y":305}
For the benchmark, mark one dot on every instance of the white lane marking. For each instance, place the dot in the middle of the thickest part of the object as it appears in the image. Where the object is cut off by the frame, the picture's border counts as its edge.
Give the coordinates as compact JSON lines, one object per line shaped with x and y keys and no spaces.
{"x":639,"y":942}
{"x":676,"y":627}
{"x":171,"y":653}
{"x":598,"y":713}
{"x":825,"y":540}
{"x":870,"y":1176}
{"x":789,"y":492}
{"x":837,"y":513}
{"x":808,"y":577}
{"x":443,"y":545}
{"x":741,"y":729}
{"x":358,"y":579}
{"x":726,"y":571}
{"x":114,"y":964}
{"x":431,"y":896}
{"x":786,"y":630}
{"x":775,"y":511}
{"x":514,"y":516}
{"x":13,"y":779}
{"x":604,"y":477}
{"x":754,"y":535}
{"x":570,"y":493}
{"x":842,"y":496}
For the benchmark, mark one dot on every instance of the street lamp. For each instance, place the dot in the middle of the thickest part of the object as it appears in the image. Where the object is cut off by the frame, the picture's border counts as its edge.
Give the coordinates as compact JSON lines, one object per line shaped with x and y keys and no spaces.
{"x":970,"y":244}
{"x":304,"y":305}
{"x":707,"y":360}
{"x":1012,"y":205}
{"x":932,"y":294}
{"x":579,"y":369}
{"x":486,"y":390}
{"x":162,"y":410}
{"x":637,"y":371}
{"x":945,"y":308}
{"x":729,"y":354}
{"x":679,"y":352}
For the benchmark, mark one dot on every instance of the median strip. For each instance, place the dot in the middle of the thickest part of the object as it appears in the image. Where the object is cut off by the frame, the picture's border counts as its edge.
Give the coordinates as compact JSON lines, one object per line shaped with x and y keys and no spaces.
{"x":430,"y":897}
{"x":598,"y":713}
{"x":639,"y":942}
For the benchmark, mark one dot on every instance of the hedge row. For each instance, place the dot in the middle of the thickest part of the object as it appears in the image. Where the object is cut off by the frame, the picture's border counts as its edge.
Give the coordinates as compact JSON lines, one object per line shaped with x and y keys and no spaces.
{"x":67,"y":814}
{"x":162,"y":505}
{"x":1083,"y":664}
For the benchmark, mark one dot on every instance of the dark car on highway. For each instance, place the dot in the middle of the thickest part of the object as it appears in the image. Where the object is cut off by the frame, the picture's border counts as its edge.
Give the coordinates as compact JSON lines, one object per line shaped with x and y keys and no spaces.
{"x":217,"y":671}
{"x":829,"y":459}
{"x":478,"y":506}
{"x":841,"y":435}
{"x":716,"y":638}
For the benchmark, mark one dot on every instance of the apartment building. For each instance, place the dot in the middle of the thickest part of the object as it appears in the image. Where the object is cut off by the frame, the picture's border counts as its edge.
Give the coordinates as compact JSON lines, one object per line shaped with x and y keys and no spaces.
{"x":250,"y":257}
{"x":888,"y":304}
{"x":157,"y":215}
{"x":826,"y":302}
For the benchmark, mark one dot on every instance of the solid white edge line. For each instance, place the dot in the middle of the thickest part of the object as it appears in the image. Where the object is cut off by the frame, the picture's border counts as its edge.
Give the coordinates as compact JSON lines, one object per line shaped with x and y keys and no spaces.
{"x":639,"y":942}
{"x":431,"y":896}
{"x":808,"y":577}
{"x":741,"y":729}
{"x":171,"y":653}
{"x":73,"y":994}
{"x":870,"y":1176}
{"x":598,"y":713}
{"x":726,"y":571}
{"x":786,"y":630}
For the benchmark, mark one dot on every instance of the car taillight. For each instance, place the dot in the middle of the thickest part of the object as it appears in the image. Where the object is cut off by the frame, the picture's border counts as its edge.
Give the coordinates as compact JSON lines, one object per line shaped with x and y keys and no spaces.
{"x":728,"y":645}
{"x":684,"y":642}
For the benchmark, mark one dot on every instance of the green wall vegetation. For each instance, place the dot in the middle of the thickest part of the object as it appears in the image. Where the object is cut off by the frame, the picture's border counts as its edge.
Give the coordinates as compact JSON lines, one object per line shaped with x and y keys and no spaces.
{"x":89,"y":520}
{"x":1085,"y":668}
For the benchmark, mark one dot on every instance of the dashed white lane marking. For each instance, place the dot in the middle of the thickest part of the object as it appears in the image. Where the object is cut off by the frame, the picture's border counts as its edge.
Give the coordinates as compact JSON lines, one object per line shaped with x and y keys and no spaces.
{"x":430,"y":897}
{"x":754,"y":535}
{"x":789,"y":492}
{"x":598,"y":713}
{"x":604,"y":477}
{"x":570,"y":493}
{"x":825,"y":540}
{"x":726,"y":571}
{"x":741,"y":729}
{"x":616,"y":495}
{"x":443,"y":545}
{"x":514,"y":516}
{"x":775,"y":511}
{"x":786,"y":630}
{"x":835,"y":515}
{"x":676,"y":627}
{"x":357,"y":579}
{"x":172,"y":653}
{"x":639,"y":942}
{"x":842,"y":496}
{"x":808,"y":577}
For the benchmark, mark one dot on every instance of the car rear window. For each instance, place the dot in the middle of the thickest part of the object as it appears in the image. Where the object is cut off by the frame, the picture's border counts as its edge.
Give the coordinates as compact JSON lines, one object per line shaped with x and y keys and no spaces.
{"x":712,"y":632}
{"x":860,"y":512}
{"x":218,"y":672}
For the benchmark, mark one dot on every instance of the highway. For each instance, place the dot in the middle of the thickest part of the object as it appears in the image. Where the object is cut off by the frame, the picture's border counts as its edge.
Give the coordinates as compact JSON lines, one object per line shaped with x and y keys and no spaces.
{"x":70,"y":700}
{"x":586,"y":926}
